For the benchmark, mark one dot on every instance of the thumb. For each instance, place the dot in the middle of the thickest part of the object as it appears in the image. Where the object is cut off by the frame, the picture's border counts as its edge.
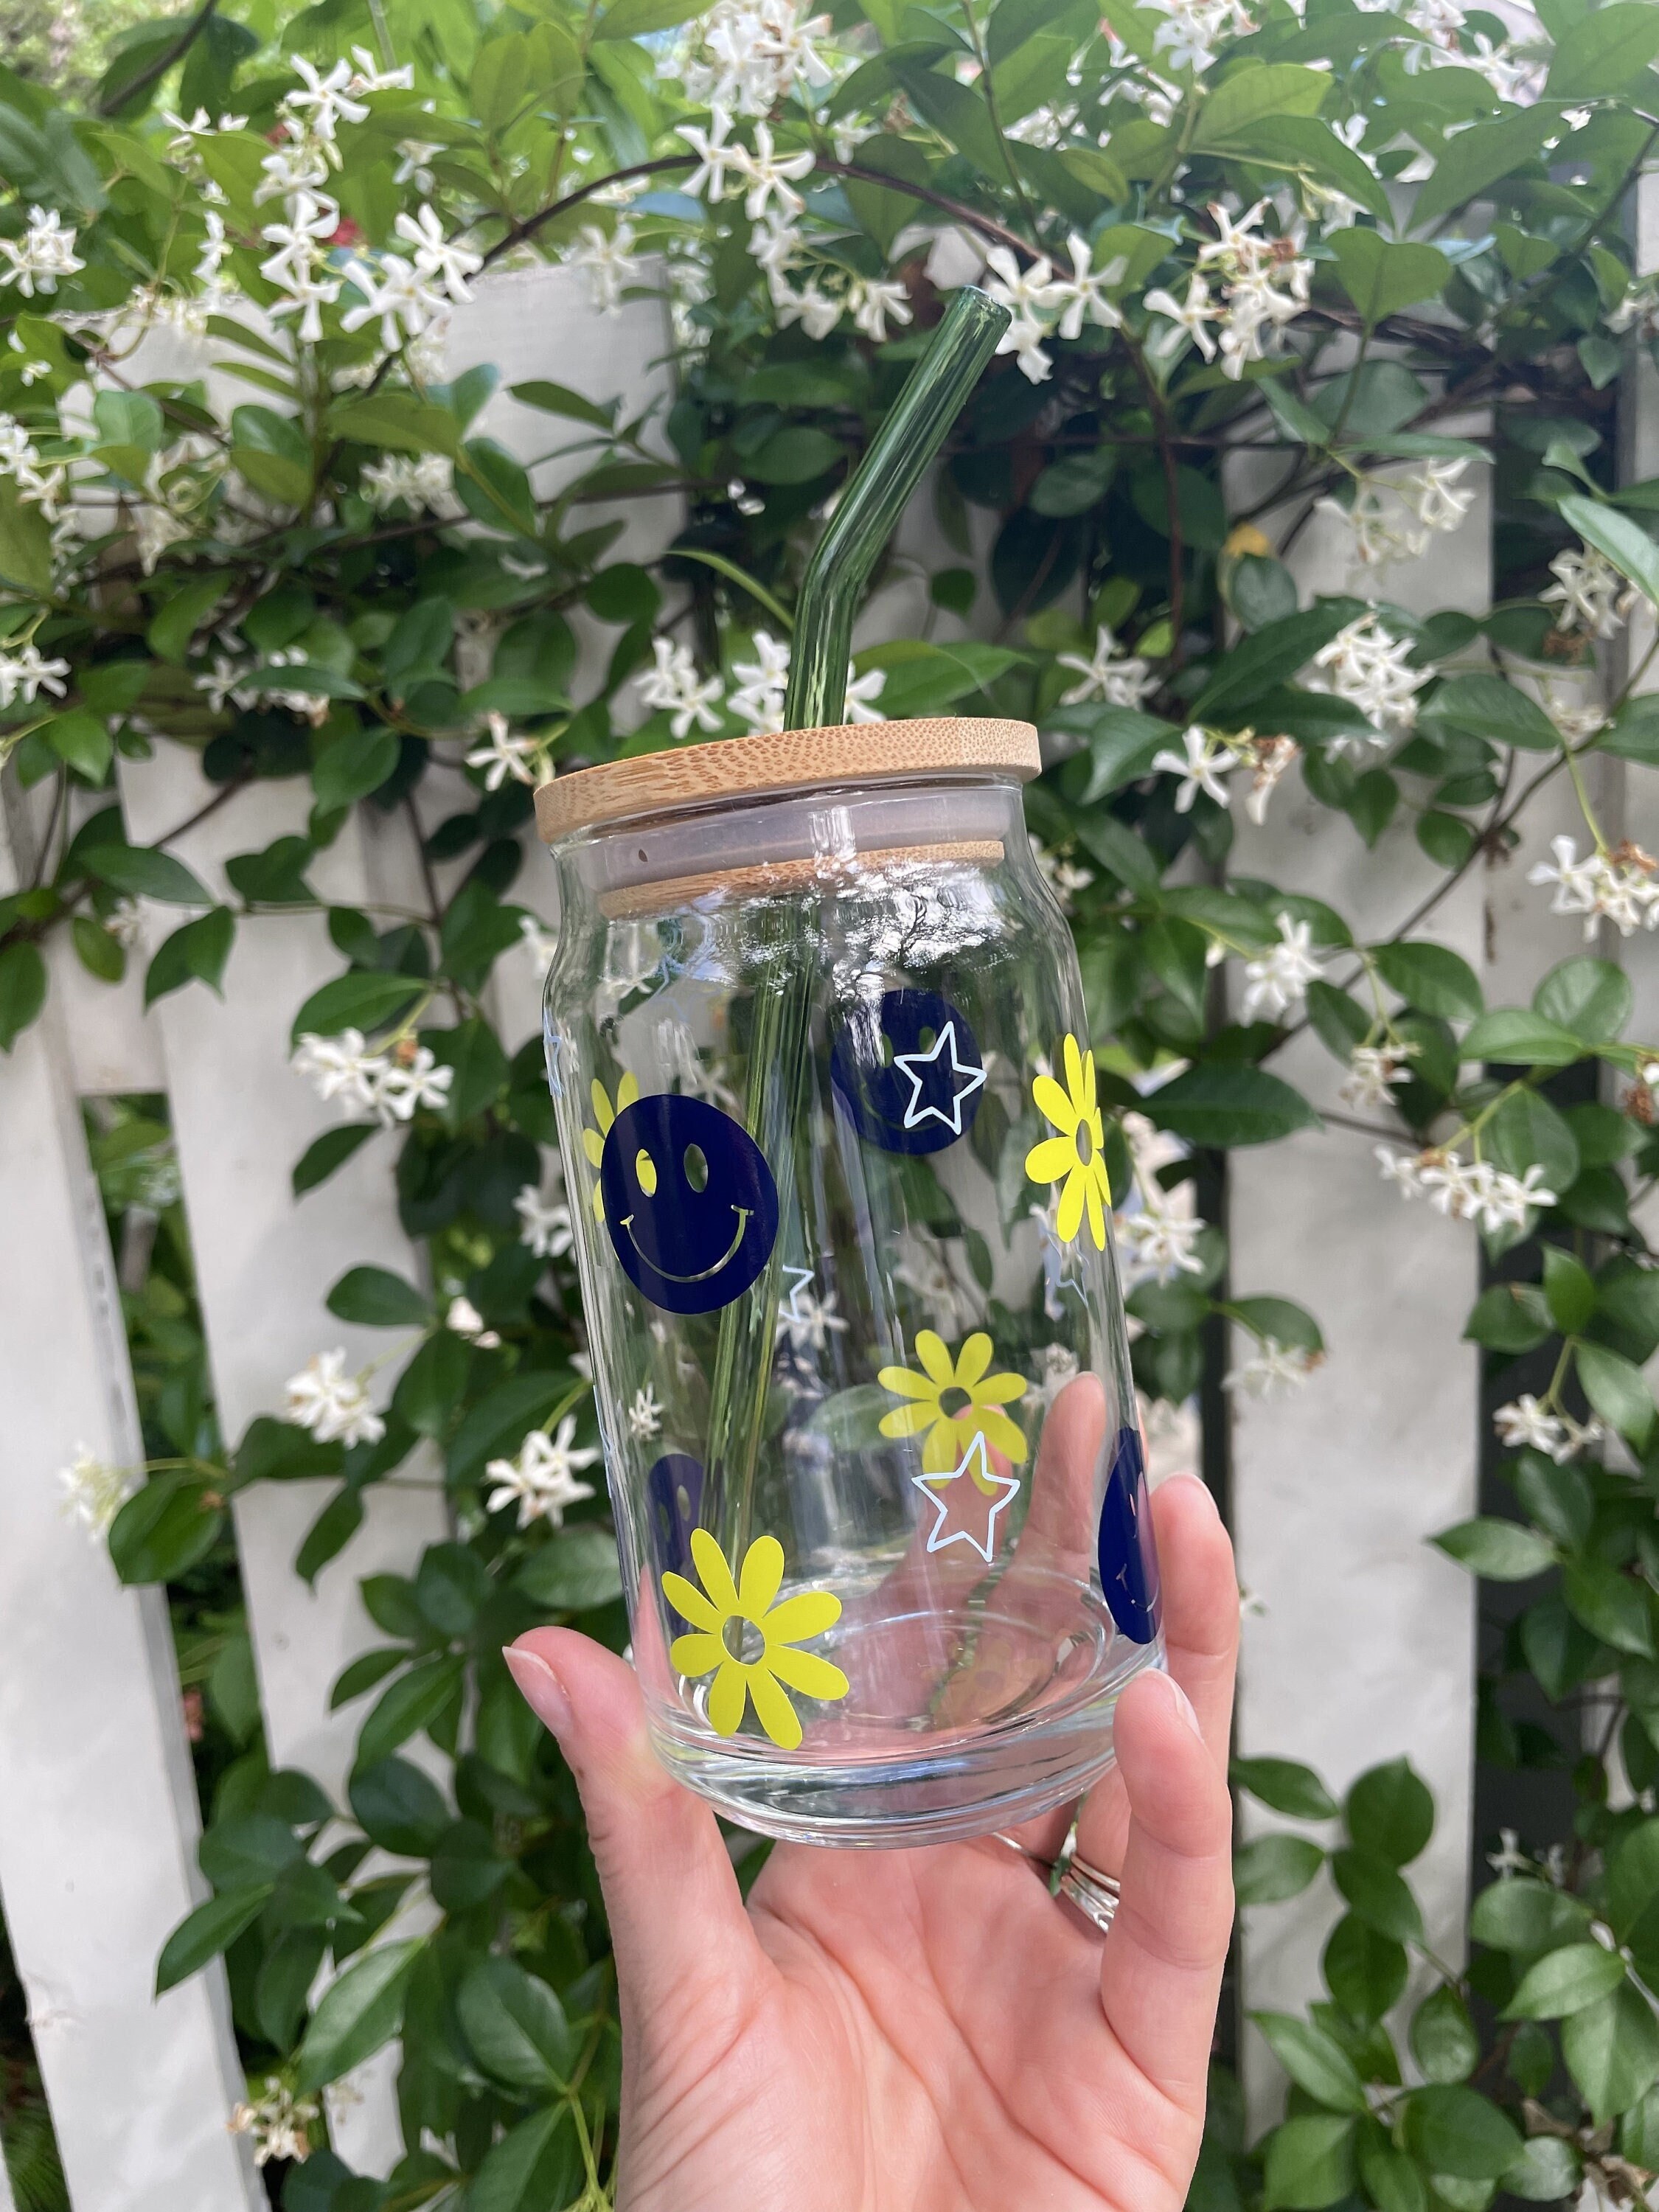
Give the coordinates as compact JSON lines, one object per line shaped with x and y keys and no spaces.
{"x":677,"y":1916}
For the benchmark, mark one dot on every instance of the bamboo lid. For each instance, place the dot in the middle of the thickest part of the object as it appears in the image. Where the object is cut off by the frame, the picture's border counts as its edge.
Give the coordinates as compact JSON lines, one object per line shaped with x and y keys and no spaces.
{"x":770,"y":765}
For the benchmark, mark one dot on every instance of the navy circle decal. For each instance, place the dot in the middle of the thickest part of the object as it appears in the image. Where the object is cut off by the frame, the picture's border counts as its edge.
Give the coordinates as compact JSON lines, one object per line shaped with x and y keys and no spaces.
{"x":908,"y":1072}
{"x":689,"y":1202}
{"x":673,"y":1502}
{"x":1128,"y":1566}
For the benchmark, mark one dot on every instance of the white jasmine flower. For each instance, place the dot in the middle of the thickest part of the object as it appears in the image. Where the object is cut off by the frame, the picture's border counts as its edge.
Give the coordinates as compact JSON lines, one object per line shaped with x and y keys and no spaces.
{"x":464,"y":1319}
{"x":645,"y":1414}
{"x":1272,"y":1371}
{"x":341,"y":1067}
{"x":1194,"y":315}
{"x":419,"y":481}
{"x":125,"y":922}
{"x":546,"y":1222}
{"x":716,"y":160}
{"x":332,"y":1405}
{"x":809,"y":1321}
{"x":1160,"y":1242}
{"x":813,"y":307}
{"x":1269,"y":758}
{"x":1110,"y":674}
{"x":1509,"y":1859}
{"x":1372,"y":1070}
{"x":1524,"y":1422}
{"x":397,"y":294}
{"x":1063,"y":878}
{"x":411,"y":1079}
{"x":506,"y":755}
{"x":862,"y":693}
{"x":44,"y":253}
{"x":1200,"y":768}
{"x":1622,"y":884}
{"x":762,"y":683}
{"x":279,"y":2123}
{"x":872,"y":300}
{"x":441,"y":261}
{"x":1590,"y":592}
{"x":325,"y":103}
{"x":771,"y":174}
{"x":672,"y":685}
{"x":1277,"y":981}
{"x":25,"y":673}
{"x":608,"y":259}
{"x":1366,"y":666}
{"x":95,"y":1491}
{"x":542,"y":1480}
{"x":1082,"y":295}
{"x":1432,"y":493}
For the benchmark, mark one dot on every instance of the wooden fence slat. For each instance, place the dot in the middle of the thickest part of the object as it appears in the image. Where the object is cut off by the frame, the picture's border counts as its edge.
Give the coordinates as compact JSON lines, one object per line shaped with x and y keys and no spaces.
{"x":1358,"y":1644}
{"x":98,"y":1820}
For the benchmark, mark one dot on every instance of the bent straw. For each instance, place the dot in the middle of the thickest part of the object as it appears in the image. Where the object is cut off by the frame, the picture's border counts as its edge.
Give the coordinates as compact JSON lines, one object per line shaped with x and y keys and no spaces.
{"x":870,"y":507}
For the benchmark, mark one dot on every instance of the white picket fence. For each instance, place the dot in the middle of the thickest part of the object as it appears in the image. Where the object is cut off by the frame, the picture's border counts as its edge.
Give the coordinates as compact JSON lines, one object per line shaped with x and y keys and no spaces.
{"x":1359,"y":1639}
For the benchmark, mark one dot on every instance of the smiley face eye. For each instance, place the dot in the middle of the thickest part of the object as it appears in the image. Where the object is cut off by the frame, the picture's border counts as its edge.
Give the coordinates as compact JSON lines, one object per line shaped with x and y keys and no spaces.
{"x":645,"y":1172}
{"x":696,"y":1168}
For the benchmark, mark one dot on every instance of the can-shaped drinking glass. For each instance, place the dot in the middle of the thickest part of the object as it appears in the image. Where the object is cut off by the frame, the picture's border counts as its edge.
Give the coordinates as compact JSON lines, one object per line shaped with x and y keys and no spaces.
{"x":831,"y":1137}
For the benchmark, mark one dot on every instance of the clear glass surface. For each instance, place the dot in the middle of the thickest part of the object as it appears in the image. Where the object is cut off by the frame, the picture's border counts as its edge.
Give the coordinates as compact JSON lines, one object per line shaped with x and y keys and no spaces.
{"x":857,"y":1332}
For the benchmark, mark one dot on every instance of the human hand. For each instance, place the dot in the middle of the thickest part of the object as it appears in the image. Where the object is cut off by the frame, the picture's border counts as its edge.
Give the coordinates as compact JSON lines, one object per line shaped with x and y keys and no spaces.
{"x":923,"y":2029}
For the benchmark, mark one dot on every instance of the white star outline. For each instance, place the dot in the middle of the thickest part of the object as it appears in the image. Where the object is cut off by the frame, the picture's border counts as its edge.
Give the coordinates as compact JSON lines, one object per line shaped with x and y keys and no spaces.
{"x":915,"y":1113}
{"x":803,"y":1277}
{"x":1007,"y":1484}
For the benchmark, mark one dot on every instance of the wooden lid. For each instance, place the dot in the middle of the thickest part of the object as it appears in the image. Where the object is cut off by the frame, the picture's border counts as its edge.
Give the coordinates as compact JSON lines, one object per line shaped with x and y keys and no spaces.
{"x":794,"y":760}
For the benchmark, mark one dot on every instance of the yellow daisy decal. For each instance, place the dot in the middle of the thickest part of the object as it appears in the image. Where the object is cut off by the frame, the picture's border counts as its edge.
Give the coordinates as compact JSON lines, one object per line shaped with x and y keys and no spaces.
{"x":764,"y":1659}
{"x":953,"y":1401}
{"x":1076,"y":1153}
{"x":605,"y":1114}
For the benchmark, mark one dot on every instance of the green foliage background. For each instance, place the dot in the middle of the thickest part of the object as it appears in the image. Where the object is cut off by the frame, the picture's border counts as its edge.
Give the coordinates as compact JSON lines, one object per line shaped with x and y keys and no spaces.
{"x":338,"y":580}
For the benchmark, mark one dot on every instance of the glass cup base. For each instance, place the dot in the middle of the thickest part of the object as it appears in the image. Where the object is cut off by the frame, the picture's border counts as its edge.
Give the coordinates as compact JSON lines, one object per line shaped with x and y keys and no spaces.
{"x":915,"y":1779}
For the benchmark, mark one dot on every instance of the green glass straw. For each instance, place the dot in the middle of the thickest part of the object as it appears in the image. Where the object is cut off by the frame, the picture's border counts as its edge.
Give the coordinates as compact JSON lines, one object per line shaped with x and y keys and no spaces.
{"x":779,"y":1045}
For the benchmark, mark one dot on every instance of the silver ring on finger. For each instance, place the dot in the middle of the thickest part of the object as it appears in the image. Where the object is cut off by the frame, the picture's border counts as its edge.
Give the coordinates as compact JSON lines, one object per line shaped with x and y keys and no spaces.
{"x":1089,"y":1893}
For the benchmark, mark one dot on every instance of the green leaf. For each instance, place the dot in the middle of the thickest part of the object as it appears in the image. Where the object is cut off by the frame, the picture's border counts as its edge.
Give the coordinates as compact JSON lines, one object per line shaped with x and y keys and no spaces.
{"x":396,"y":421}
{"x":1616,"y":1388}
{"x":1378,"y":1894}
{"x":1608,"y":52}
{"x":1613,"y":1606}
{"x":378,"y":1298}
{"x":330,"y":1533}
{"x":1591,"y":997}
{"x":1522,"y":1914}
{"x":350,"y":767}
{"x":1568,"y":1291}
{"x":1313,"y":2061}
{"x":576,"y":1571}
{"x":1527,"y":1131}
{"x":1270,"y":657}
{"x":1498,"y":1550}
{"x":82,"y":741}
{"x":431,"y":1386}
{"x":798,"y":455}
{"x":1565,"y":1982}
{"x":1478,"y":157}
{"x":493,"y":488}
{"x":1251,"y":95}
{"x":142,"y":872}
{"x":399,"y":1806}
{"x":1430,"y":977}
{"x":25,"y":543}
{"x":1365,"y":1970}
{"x":472,"y":1049}
{"x":536,"y":2164}
{"x":1457,"y":2131}
{"x":1393,"y":2180}
{"x":195,"y":953}
{"x":1390,"y":1809}
{"x":516,"y":2027}
{"x":1443,"y":2038}
{"x":1269,"y":1869}
{"x":183,"y":614}
{"x":362,"y":999}
{"x":1514,"y":1037}
{"x":203,"y":1934}
{"x":1296,"y":1791}
{"x":1625,"y":543}
{"x":23,"y":989}
{"x":271,"y":453}
{"x":1548,"y":2169}
{"x":1309,"y":2163}
{"x":1508,"y":1317}
{"x":99,"y":953}
{"x":1380,"y":277}
{"x":559,"y":399}
{"x":413,"y":1703}
{"x":360,"y":2012}
{"x":329,"y":1151}
{"x":1221,"y":1103}
{"x":1633,"y":1880}
{"x":497,"y":1427}
{"x":1611,"y":2051}
{"x":164,"y":1529}
{"x":1489,"y":707}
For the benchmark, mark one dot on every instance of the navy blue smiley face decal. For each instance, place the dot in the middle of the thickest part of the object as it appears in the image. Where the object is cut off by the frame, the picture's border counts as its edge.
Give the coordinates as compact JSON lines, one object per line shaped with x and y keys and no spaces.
{"x":908,"y":1072}
{"x":689,"y":1202}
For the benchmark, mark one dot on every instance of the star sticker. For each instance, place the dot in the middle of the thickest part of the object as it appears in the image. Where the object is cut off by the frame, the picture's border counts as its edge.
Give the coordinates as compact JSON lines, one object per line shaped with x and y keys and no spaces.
{"x":915,"y":1113}
{"x":803,"y":1276}
{"x":966,"y":1502}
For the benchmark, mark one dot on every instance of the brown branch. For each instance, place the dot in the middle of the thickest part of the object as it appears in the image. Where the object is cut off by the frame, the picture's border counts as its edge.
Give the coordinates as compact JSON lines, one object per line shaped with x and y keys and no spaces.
{"x":158,"y":68}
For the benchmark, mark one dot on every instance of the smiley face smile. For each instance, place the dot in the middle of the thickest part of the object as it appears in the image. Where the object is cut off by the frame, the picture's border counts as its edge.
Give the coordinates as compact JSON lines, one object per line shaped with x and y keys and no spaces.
{"x":702,"y":1274}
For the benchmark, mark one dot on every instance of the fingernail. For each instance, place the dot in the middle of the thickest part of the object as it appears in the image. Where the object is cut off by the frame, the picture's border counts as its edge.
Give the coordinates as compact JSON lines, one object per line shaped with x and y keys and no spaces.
{"x":1182,"y":1702}
{"x":542,"y":1691}
{"x":1195,"y":1482}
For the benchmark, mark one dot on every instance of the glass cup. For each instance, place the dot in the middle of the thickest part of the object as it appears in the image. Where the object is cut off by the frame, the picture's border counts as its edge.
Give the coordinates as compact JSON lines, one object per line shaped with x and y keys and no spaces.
{"x":819,"y":1058}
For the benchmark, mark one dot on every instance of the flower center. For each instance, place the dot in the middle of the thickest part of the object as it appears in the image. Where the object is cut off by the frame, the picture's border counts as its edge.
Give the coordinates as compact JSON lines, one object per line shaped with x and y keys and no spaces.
{"x":954,"y":1402}
{"x":1084,"y":1141}
{"x":742,"y":1638}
